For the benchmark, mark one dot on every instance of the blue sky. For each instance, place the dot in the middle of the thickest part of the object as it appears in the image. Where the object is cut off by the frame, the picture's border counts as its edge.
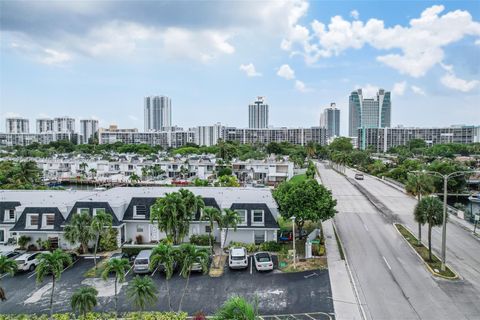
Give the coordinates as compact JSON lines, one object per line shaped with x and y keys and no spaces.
{"x":99,"y":59}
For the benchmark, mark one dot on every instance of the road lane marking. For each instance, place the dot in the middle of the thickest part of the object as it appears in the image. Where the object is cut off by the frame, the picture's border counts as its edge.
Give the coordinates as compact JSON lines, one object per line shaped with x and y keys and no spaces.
{"x":386,"y":262}
{"x":365,"y":226}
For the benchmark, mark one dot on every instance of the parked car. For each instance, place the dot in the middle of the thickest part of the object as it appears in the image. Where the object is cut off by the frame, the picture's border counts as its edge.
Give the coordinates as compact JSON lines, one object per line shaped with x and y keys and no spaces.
{"x":237,"y":258}
{"x":198,"y":267}
{"x":359,"y":176}
{"x":10,"y":254}
{"x":118,"y":255}
{"x":263,"y":261}
{"x":28,"y":261}
{"x":142,"y":262}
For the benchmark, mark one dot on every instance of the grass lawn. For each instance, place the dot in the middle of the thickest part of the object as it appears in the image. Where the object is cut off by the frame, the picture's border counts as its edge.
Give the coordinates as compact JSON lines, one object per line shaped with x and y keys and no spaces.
{"x":298,"y":178}
{"x":423,"y":252}
{"x":305,"y":265}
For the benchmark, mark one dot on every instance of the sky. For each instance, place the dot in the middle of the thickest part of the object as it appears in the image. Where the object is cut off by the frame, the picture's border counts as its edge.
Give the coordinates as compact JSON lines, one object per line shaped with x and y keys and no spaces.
{"x":98,"y":59}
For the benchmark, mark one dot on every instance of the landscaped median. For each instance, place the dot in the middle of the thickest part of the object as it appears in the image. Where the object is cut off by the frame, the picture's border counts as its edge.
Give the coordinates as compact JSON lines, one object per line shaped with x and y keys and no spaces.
{"x":433,"y":266}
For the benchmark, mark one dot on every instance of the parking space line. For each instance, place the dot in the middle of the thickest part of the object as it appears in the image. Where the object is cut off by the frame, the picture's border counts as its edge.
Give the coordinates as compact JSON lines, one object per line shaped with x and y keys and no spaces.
{"x":126,"y":274}
{"x":154,"y":271}
{"x":251,"y":264}
{"x":309,"y":316}
{"x":3,"y":275}
{"x":70,"y":265}
{"x":31,"y":274}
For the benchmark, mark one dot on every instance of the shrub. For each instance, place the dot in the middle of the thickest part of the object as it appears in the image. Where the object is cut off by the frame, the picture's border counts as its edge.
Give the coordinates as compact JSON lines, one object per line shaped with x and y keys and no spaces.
{"x":201,"y":239}
{"x":32,"y":247}
{"x":272,"y":246}
{"x":108,"y":241}
{"x":139,"y":239}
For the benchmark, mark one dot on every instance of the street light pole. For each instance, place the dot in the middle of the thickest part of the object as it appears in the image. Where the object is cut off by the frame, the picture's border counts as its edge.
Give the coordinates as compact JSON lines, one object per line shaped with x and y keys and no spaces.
{"x":294,"y":252}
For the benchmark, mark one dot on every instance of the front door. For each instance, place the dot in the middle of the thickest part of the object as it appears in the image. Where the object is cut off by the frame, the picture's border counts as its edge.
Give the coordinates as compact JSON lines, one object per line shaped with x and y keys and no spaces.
{"x":154,"y":234}
{"x":2,"y":235}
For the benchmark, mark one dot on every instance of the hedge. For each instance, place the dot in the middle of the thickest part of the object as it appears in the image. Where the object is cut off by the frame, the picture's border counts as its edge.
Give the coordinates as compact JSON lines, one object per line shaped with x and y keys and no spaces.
{"x":271,"y":246}
{"x":201,"y":240}
{"x":100,"y":316}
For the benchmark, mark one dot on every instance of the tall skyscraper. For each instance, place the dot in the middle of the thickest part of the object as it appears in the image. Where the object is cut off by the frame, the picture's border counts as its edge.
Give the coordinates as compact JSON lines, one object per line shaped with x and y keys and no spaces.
{"x":258,"y":114}
{"x":330,"y":119}
{"x":44,"y":125}
{"x":64,"y":124}
{"x":17,"y":125}
{"x":88,"y":129}
{"x":158,"y":113}
{"x":369,"y":113}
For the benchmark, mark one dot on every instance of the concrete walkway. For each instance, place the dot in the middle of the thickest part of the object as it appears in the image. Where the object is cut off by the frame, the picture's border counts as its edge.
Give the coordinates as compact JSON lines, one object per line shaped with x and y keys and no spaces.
{"x":345,"y":301}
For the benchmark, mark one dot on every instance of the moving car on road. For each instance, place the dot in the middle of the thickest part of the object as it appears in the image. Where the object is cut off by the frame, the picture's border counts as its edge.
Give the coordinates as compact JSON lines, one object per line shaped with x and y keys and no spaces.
{"x":142,"y":262}
{"x":28,"y":261}
{"x":359,"y":176}
{"x":237,"y":258}
{"x":263,"y":261}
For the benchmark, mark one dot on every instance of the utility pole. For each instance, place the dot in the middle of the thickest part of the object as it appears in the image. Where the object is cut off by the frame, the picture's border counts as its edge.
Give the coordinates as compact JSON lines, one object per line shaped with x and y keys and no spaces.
{"x":294,"y":252}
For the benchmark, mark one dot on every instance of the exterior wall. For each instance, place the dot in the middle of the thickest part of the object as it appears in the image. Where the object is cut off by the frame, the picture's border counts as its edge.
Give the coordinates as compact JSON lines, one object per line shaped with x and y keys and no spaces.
{"x":62,"y":243}
{"x":247,"y":236}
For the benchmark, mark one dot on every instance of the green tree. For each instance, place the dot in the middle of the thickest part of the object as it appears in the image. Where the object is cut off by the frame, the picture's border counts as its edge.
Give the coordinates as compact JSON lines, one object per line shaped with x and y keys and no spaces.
{"x":211,"y":215}
{"x":171,"y":216}
{"x":189,"y":255}
{"x":100,"y":222}
{"x":227,"y":181}
{"x":446,"y":166}
{"x":142,"y":292}
{"x":119,"y":267}
{"x":342,"y":144}
{"x":228,"y":220}
{"x":237,"y":308}
{"x":311,"y":149}
{"x":192,"y":203}
{"x":164,"y":256}
{"x":429,"y":210}
{"x":52,"y":263}
{"x":23,"y":241}
{"x":311,"y":170}
{"x":7,"y":266}
{"x":79,"y":230}
{"x":134,"y":178}
{"x":83,"y":300}
{"x":418,"y":186}
{"x":93,"y":172}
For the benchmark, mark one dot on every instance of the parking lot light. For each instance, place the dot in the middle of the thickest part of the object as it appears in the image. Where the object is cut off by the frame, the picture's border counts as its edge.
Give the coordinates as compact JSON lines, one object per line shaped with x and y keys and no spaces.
{"x":294,"y":252}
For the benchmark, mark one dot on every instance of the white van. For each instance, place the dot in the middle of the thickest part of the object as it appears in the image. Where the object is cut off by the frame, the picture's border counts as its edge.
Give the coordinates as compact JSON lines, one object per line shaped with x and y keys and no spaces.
{"x":238,"y":258}
{"x":142,"y":262}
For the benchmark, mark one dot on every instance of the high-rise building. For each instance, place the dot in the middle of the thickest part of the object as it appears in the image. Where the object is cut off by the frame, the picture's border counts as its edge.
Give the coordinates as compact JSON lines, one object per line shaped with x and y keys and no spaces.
{"x":369,"y":113}
{"x":44,"y":125}
{"x":208,"y":135}
{"x":330,"y":119}
{"x":88,"y":129}
{"x":64,"y":124}
{"x":157,"y":113}
{"x":258,"y":114}
{"x":17,"y":125}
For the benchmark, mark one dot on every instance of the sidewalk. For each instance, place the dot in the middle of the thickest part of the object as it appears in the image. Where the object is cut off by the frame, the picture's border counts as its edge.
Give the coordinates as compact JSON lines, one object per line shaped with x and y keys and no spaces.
{"x":345,"y":302}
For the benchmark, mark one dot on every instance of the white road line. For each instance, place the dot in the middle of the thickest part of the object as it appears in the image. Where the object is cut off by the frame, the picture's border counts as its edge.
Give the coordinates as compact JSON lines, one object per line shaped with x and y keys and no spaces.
{"x":70,"y":265}
{"x":126,"y":274}
{"x":306,"y":314}
{"x":3,"y":275}
{"x":153,"y":273}
{"x":31,"y":274}
{"x":386,"y":262}
{"x":365,"y":226}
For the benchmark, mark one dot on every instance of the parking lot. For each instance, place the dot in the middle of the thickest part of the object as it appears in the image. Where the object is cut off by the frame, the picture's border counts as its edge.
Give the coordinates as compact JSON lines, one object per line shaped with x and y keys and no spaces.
{"x":288,"y":295}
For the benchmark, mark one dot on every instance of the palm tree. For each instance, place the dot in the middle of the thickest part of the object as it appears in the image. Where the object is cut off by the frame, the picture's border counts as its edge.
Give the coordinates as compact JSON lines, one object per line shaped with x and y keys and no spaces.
{"x":101,"y":221}
{"x":119,"y":267}
{"x":228,"y":220}
{"x":311,"y":149}
{"x":79,"y":230}
{"x":142,"y":291}
{"x":134,"y":178}
{"x":145,"y":171}
{"x":6,"y":266}
{"x":236,"y":308}
{"x":52,"y":263}
{"x":83,"y":167}
{"x":418,"y":186}
{"x":211,"y":215}
{"x":192,"y":203}
{"x":84,"y":299}
{"x":164,"y":255}
{"x":27,"y":172}
{"x":189,"y":255}
{"x":93,"y":172}
{"x":171,"y":216}
{"x":429,"y":210}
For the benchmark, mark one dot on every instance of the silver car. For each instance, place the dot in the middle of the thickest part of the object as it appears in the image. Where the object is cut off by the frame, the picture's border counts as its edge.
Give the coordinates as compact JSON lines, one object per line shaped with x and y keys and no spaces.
{"x":263,"y":261}
{"x":238,"y":258}
{"x":142,"y":262}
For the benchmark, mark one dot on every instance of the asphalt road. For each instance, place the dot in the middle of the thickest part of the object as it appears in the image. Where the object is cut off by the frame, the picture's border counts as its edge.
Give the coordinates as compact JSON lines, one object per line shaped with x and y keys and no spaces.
{"x":392,"y":282}
{"x":276,"y":293}
{"x":463,"y":250}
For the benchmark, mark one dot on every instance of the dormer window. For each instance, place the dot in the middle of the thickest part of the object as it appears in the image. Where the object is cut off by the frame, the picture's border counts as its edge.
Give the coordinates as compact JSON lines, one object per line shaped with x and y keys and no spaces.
{"x":98,"y":210}
{"x":83,"y":210}
{"x":32,"y":221}
{"x":257,"y":217}
{"x":48,"y":221}
{"x":9,"y":215}
{"x":242,"y":217}
{"x":139,"y":211}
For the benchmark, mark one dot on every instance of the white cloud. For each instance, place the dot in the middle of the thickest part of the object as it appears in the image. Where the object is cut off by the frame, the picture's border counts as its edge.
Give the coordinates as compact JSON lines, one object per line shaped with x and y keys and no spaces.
{"x":399,"y":88}
{"x":300,"y":86}
{"x":418,"y":90}
{"x":450,"y":80}
{"x":249,"y":70}
{"x":54,"y":57}
{"x":286,"y":72}
{"x":368,"y":90}
{"x":477,"y":42}
{"x":354,"y":14}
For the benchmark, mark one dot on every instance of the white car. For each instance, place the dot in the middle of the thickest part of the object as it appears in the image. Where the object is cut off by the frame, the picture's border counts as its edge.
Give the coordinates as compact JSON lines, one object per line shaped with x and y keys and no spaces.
{"x":263,"y":261}
{"x":28,"y":261}
{"x":238,"y":258}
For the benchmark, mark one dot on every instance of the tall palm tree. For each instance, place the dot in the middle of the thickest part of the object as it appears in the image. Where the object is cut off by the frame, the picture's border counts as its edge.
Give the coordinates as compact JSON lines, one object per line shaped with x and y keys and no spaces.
{"x":192,"y":203}
{"x":84,"y":299}
{"x":101,"y":221}
{"x":6,"y":266}
{"x":134,"y":178}
{"x":189,"y":255}
{"x":79,"y":230}
{"x":52,"y":263}
{"x":418,"y":186}
{"x":93,"y":172}
{"x":237,"y":308}
{"x":119,"y":267}
{"x":27,"y":172}
{"x":171,"y":216}
{"x":142,"y":291}
{"x":311,"y":149}
{"x":430,"y":210}
{"x":211,"y":215}
{"x":146,"y":171}
{"x":164,"y":255}
{"x":229,"y":219}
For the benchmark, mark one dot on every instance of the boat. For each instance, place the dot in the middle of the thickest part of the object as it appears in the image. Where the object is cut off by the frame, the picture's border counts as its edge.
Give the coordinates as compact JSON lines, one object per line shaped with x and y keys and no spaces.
{"x":475,"y":198}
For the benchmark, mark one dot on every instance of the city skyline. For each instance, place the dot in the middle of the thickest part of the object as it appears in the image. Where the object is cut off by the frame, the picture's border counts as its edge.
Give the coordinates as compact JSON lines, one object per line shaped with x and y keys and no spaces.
{"x":211,"y":73}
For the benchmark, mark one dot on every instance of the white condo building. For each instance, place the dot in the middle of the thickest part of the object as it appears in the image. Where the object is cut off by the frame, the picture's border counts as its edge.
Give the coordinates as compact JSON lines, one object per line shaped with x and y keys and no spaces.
{"x":64,"y":124}
{"x":44,"y":125}
{"x":157,"y":113}
{"x":17,"y":125}
{"x":258,"y":114}
{"x":208,"y":135}
{"x":88,"y":129}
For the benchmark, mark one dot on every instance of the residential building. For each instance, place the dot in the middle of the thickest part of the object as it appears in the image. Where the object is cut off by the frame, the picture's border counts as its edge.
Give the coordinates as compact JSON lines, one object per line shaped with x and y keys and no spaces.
{"x":44,"y":125}
{"x":88,"y":129}
{"x":258,"y":114}
{"x":173,"y":138}
{"x":115,"y":128}
{"x":17,"y":125}
{"x":382,"y":139}
{"x":64,"y":124}
{"x":298,"y":136}
{"x":330,"y":119}
{"x":208,"y":135}
{"x":25,"y":139}
{"x":157,"y":113}
{"x":268,"y":172}
{"x":369,"y":112}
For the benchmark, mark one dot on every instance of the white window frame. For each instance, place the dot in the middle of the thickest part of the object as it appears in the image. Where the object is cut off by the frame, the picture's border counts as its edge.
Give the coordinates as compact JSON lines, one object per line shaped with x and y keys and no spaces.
{"x":44,"y":221}
{"x":139,"y":226}
{"x":28,"y":220}
{"x":95,"y":211}
{"x":6,"y":216}
{"x":79,"y":210}
{"x":263,"y":217}
{"x":245,"y":214}
{"x":137,"y":216}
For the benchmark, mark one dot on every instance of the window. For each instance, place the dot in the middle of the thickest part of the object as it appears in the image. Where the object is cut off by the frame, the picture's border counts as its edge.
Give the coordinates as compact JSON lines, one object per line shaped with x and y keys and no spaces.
{"x":48,"y":220}
{"x":32,"y":221}
{"x":83,"y":210}
{"x":98,"y":210}
{"x":242,"y":215}
{"x":139,"y":228}
{"x":257,"y":216}
{"x":10,"y":215}
{"x":208,"y":229}
{"x":259,"y":236}
{"x":139,"y":211}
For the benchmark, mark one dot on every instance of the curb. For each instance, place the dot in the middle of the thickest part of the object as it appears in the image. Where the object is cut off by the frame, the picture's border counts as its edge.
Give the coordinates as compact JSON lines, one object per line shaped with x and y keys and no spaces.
{"x":420,"y":257}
